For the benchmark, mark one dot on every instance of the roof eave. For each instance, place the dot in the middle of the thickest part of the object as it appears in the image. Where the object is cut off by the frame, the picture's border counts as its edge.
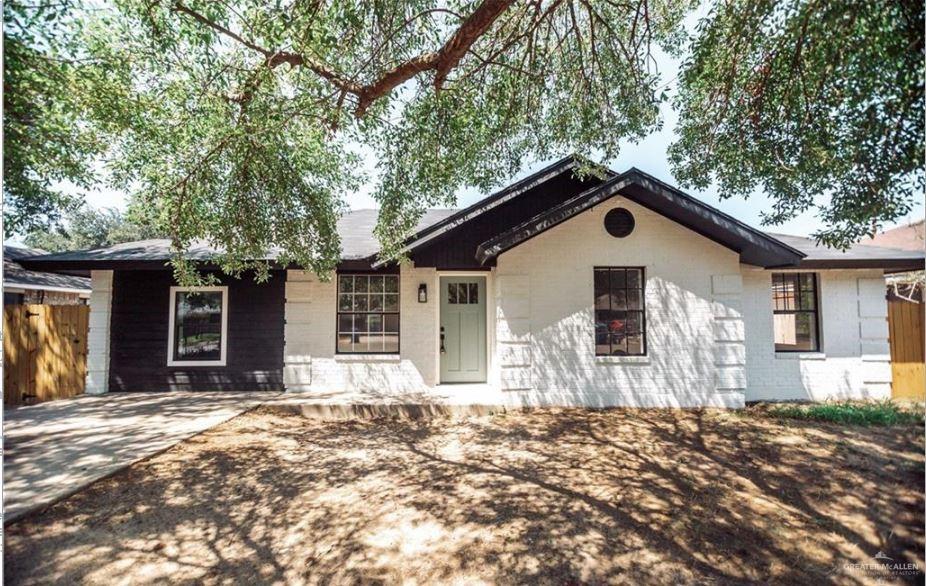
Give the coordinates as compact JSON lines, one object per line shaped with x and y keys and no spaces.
{"x":496,"y":199}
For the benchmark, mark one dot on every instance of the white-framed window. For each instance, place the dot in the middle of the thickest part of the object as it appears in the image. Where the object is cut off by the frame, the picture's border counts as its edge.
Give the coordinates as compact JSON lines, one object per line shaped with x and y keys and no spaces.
{"x":198,"y":334}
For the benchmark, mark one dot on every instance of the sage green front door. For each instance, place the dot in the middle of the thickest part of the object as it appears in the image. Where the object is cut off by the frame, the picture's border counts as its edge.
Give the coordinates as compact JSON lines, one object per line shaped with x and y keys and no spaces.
{"x":463,"y":329}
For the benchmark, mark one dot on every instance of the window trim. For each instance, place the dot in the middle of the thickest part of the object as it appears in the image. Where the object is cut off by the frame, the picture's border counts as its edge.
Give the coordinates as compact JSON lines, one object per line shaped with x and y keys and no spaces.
{"x":378,"y":354}
{"x":222,"y":361}
{"x":645,"y":353}
{"x":818,"y":343}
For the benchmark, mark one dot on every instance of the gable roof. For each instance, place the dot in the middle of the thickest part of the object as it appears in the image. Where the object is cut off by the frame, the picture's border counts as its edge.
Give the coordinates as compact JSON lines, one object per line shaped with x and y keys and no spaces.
{"x":460,"y":217}
{"x":753,"y":246}
{"x":15,"y":276}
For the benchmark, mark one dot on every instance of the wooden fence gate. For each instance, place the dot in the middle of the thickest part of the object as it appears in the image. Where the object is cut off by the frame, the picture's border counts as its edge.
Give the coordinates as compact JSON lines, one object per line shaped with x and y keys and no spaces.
{"x":44,"y":352}
{"x":905,"y":321}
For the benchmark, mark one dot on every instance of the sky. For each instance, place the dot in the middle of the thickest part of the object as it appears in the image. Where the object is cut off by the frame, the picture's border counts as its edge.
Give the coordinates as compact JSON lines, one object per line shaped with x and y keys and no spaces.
{"x":649,"y":155}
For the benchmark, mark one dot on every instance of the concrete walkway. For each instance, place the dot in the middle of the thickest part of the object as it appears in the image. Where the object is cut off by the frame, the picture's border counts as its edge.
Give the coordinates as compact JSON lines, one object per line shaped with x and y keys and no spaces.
{"x":54,"y":449}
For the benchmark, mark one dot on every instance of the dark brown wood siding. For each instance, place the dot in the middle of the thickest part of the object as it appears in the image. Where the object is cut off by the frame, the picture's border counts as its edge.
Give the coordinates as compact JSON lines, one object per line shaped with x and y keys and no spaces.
{"x":139,"y":328}
{"x":457,"y":248}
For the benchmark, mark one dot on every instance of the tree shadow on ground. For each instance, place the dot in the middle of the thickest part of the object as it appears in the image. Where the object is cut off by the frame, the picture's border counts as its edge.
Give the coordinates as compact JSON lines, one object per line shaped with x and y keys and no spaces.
{"x":548,"y":496}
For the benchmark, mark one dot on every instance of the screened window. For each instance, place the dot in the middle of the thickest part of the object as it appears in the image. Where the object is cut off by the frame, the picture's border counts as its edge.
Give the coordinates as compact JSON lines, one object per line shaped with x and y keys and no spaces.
{"x":794,"y":299}
{"x":620,"y":313}
{"x":198,"y":326}
{"x":368,"y":314}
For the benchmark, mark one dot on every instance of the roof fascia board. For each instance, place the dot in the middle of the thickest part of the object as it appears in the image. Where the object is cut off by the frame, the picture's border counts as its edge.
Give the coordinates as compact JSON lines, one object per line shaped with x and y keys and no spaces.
{"x":486,"y":204}
{"x":14,"y":285}
{"x":554,"y":216}
{"x":725,"y":221}
{"x":546,"y":220}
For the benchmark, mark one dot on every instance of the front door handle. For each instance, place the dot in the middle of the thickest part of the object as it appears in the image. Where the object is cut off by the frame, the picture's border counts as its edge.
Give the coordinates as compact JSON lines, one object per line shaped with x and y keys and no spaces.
{"x":442,"y":349}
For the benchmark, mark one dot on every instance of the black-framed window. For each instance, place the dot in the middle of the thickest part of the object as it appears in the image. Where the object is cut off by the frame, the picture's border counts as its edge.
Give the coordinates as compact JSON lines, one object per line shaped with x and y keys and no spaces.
{"x":368,"y":314}
{"x":796,"y":317}
{"x":620,"y":311}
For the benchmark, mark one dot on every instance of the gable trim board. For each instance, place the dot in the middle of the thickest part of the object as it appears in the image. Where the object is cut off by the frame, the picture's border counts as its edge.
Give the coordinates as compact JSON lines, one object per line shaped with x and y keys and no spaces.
{"x":708,"y":303}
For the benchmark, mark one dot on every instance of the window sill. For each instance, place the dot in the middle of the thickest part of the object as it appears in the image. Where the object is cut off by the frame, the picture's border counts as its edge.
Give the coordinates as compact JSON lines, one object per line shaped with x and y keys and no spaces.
{"x":367,"y":357}
{"x":800,"y":356}
{"x":622,"y":359}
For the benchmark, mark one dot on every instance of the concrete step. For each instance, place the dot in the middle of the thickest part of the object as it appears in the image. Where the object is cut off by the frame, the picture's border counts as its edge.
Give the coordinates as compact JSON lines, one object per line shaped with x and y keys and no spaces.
{"x":328,"y":411}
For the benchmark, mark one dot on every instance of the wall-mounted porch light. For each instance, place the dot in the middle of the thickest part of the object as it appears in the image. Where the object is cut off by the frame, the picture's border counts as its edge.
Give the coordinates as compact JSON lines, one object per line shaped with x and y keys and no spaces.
{"x":422,"y":293}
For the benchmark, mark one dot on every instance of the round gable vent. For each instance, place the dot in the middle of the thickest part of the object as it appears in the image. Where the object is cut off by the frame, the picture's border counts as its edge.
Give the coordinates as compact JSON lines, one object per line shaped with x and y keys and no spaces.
{"x":619,"y":223}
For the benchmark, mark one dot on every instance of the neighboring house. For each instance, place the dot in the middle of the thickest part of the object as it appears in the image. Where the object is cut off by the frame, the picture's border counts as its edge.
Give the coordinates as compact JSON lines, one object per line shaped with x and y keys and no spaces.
{"x":906,"y":286}
{"x":555,"y":290}
{"x":909,"y":237}
{"x":24,"y":286}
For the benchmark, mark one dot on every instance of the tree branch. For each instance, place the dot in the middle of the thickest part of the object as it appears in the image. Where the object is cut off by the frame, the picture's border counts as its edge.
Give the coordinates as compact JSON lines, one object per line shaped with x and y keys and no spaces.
{"x":442,"y":62}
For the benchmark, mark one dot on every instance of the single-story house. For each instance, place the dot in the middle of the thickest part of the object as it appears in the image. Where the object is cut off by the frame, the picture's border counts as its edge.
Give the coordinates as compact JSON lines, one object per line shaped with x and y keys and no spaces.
{"x":560,"y":290}
{"x":21,"y":285}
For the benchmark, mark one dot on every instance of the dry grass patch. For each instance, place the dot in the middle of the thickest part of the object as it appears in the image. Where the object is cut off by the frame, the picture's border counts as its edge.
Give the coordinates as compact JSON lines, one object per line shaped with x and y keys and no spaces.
{"x":549,"y":496}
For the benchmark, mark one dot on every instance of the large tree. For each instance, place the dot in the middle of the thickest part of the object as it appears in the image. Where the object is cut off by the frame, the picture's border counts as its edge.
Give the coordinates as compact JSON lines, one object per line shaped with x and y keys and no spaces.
{"x":63,"y":95}
{"x":87,"y":227}
{"x":819,"y":104}
{"x":244,"y":119}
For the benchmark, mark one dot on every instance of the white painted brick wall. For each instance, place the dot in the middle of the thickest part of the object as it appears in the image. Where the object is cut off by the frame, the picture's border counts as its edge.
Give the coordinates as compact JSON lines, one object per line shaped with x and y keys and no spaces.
{"x":101,"y":298}
{"x":854,"y":361}
{"x":684,"y":318}
{"x":310,"y":362}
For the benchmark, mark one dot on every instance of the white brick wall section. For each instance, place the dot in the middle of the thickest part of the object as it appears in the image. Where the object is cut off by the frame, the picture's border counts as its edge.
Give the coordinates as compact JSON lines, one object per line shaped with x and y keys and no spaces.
{"x":729,"y":334}
{"x":310,"y":361}
{"x":297,"y":357}
{"x":512,"y":309}
{"x":101,"y":296}
{"x":685,"y":320}
{"x":854,"y":361}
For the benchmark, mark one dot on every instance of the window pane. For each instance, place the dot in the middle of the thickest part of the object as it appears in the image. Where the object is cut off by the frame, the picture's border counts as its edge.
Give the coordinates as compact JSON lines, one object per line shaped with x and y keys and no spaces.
{"x":602,"y":289}
{"x":360,"y":302}
{"x":633,"y":278}
{"x":391,"y":323}
{"x":391,"y":303}
{"x":634,"y":299}
{"x":345,"y":323}
{"x":361,"y":284}
{"x":618,"y":345}
{"x":474,"y":292}
{"x":376,"y":284}
{"x":345,"y":302}
{"x":374,"y":323}
{"x":452,"y":293}
{"x":618,"y":279}
{"x":391,"y":283}
{"x":198,"y":326}
{"x":619,"y":300}
{"x":807,"y":281}
{"x":391,"y":343}
{"x":344,"y":343}
{"x":795,"y":332}
{"x":376,"y":302}
{"x":633,"y":323}
{"x":635,"y":344}
{"x":345,"y":283}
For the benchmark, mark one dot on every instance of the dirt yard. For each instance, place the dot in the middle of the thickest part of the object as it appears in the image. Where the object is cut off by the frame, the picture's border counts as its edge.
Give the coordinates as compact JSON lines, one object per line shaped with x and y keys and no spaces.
{"x":540,"y":497}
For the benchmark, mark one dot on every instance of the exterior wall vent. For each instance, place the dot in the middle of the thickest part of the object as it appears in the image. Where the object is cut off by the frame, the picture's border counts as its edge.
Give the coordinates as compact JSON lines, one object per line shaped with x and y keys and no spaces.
{"x":619,"y":223}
